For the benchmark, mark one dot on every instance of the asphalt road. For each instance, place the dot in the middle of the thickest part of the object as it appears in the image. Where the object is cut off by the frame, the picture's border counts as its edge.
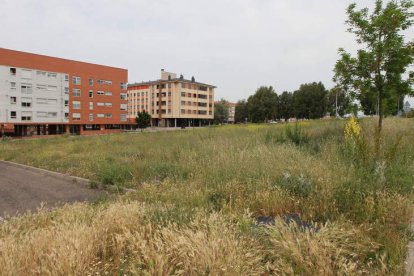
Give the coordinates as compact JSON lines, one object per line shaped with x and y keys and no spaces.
{"x":23,"y":189}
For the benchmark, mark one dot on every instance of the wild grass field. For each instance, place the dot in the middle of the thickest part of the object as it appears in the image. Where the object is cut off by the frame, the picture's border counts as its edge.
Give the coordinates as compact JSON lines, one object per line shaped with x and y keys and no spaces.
{"x":200,"y":193}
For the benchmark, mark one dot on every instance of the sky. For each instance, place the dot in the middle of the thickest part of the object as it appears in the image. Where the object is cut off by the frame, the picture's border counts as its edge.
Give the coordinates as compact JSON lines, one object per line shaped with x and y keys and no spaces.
{"x":236,"y":45}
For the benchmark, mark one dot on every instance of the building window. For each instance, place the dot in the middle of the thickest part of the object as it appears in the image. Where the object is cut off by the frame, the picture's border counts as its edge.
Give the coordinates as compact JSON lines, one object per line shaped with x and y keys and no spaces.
{"x":26,"y":118}
{"x":51,"y":88}
{"x":41,"y":101}
{"x":66,"y":115}
{"x":90,"y":105}
{"x":76,"y":116}
{"x":108,"y":82}
{"x":26,"y":74}
{"x":26,"y":102}
{"x":13,"y":100}
{"x":90,"y":82}
{"x":52,"y":101}
{"x":123,"y":85}
{"x":41,"y":73}
{"x":90,"y":93}
{"x":13,"y":114}
{"x":182,"y":94}
{"x":108,"y":104}
{"x":76,"y":92}
{"x":52,"y":75}
{"x":26,"y":88}
{"x":100,"y":104}
{"x":108,"y":115}
{"x":124,"y":107}
{"x":67,"y":90}
{"x":41,"y":87}
{"x":76,"y":80}
{"x":100,"y":92}
{"x":66,"y":77}
{"x":108,"y":93}
{"x":13,"y":71}
{"x":12,"y":85}
{"x":76,"y":105}
{"x":123,"y":117}
{"x":66,"y":102}
{"x":100,"y":115}
{"x":42,"y":114}
{"x":124,"y":96}
{"x":90,"y":117}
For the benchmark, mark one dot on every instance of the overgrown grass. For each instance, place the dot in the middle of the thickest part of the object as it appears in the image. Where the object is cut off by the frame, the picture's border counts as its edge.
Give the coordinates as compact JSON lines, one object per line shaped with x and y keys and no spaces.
{"x":198,"y":192}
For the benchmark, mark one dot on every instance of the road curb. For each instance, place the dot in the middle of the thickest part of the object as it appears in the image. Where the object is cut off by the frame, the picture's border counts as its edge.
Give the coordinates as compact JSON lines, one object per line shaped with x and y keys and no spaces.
{"x":62,"y":176}
{"x":57,"y":175}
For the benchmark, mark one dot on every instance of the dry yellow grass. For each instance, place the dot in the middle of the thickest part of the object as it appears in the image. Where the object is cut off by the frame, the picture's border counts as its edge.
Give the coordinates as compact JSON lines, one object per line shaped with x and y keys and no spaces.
{"x":199,"y":191}
{"x":118,"y":238}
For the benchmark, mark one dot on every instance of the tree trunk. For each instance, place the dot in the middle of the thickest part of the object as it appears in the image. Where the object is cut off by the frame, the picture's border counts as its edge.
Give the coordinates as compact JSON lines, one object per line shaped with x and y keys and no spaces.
{"x":380,"y":119}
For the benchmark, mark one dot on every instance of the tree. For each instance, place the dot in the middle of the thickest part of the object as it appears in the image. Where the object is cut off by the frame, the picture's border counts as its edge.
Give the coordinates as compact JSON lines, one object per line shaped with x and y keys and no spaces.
{"x":309,"y":101}
{"x":338,"y":101}
{"x":262,"y":106}
{"x":143,"y":120}
{"x":242,"y":113}
{"x":221,"y":112}
{"x":376,"y":74}
{"x":286,"y":105}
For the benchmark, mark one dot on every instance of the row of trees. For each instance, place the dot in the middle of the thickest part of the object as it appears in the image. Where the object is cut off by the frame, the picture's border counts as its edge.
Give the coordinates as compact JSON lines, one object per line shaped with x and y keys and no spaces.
{"x":311,"y":101}
{"x":378,"y":76}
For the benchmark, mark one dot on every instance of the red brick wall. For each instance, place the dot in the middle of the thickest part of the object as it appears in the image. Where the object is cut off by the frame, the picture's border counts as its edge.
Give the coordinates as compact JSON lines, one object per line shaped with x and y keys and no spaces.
{"x":85,"y":71}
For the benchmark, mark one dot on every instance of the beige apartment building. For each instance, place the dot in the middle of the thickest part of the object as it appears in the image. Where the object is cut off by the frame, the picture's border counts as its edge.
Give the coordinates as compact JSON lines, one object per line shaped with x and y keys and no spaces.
{"x":172,"y":101}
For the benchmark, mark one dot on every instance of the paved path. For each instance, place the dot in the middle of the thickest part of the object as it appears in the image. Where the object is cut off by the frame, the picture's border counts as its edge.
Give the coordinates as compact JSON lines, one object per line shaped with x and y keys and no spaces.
{"x":409,"y":263}
{"x":24,"y":188}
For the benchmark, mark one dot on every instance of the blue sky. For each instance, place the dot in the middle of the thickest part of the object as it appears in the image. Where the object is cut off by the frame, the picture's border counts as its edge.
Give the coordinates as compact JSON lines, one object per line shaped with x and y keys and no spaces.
{"x":237,"y":45}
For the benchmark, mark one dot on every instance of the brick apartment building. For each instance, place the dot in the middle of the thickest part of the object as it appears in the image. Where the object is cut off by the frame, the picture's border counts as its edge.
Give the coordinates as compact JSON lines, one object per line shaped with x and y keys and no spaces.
{"x":172,"y":101}
{"x":41,"y":95}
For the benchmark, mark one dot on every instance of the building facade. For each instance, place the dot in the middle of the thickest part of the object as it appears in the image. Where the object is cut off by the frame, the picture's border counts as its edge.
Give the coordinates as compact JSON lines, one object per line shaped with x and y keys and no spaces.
{"x":172,"y":101}
{"x":41,"y":95}
{"x":232,"y":112}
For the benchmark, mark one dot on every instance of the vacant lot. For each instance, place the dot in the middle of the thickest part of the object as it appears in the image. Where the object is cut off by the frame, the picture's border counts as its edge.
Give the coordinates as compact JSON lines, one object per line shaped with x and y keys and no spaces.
{"x":201,"y":191}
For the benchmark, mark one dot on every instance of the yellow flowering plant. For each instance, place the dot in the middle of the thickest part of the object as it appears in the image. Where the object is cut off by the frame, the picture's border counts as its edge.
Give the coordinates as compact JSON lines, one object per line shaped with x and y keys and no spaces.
{"x":352,"y":130}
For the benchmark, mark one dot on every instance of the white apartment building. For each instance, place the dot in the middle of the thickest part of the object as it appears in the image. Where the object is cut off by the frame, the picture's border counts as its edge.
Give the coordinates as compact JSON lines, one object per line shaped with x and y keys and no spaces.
{"x":28,"y":95}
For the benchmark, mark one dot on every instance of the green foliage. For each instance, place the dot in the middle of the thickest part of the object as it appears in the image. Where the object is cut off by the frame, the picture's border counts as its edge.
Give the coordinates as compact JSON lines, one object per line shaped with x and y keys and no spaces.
{"x":337,"y":98}
{"x":286,"y":110}
{"x":111,"y":173}
{"x":217,"y":199}
{"x":296,"y":185}
{"x":221,"y":112}
{"x":375,"y":75}
{"x":143,"y":120}
{"x":296,"y":134}
{"x":242,"y":112}
{"x":310,"y":101}
{"x":262,"y":106}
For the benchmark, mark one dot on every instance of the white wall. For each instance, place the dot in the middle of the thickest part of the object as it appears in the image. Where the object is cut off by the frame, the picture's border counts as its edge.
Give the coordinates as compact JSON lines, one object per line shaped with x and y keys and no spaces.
{"x":47,"y":95}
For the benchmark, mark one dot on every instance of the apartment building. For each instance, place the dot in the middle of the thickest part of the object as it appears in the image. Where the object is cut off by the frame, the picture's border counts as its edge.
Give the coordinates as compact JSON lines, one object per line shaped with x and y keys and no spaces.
{"x":232,"y":112}
{"x":41,"y":95}
{"x":172,"y":101}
